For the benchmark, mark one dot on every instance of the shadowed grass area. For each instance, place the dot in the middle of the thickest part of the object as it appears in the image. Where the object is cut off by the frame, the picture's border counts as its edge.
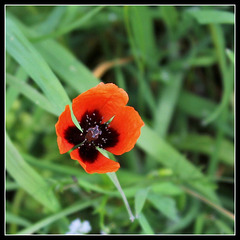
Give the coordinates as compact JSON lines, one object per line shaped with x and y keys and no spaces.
{"x":177,"y":65}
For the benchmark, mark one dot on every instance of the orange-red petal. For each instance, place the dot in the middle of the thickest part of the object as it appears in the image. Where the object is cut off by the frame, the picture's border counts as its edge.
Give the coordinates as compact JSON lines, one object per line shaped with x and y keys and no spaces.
{"x":64,"y":121}
{"x":128,"y":124}
{"x":108,"y":99}
{"x":100,"y":165}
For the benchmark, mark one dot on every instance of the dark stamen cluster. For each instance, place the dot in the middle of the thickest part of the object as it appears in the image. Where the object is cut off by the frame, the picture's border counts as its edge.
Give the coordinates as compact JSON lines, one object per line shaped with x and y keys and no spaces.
{"x":95,"y":134}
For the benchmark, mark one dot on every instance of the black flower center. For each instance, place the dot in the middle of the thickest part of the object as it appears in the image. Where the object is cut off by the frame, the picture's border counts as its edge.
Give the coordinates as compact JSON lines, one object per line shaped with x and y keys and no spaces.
{"x":95,"y":134}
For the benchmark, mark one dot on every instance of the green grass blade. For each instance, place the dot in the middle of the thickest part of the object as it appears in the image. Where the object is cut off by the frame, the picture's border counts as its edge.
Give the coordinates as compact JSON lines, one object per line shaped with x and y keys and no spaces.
{"x":199,"y":107}
{"x":230,"y":55}
{"x":71,"y":13}
{"x":202,"y":61}
{"x":28,"y":178}
{"x":165,"y":205}
{"x":71,"y":26}
{"x":11,"y":186}
{"x":67,"y":211}
{"x":52,"y":49}
{"x":194,"y":105}
{"x":215,"y":156}
{"x":12,"y":93}
{"x":67,"y":66}
{"x":204,"y":144}
{"x":88,"y":184}
{"x":147,"y":229}
{"x":223,"y":227}
{"x":156,"y":147}
{"x":212,"y":16}
{"x":55,"y":168}
{"x":32,"y":94}
{"x":53,"y":20}
{"x":11,"y":218}
{"x":166,"y":188}
{"x":218,"y":40}
{"x":144,"y":89}
{"x":199,"y":224}
{"x":140,"y":199}
{"x":27,"y":56}
{"x":166,"y":105}
{"x":170,"y":16}
{"x":143,"y":34}
{"x":193,"y":211}
{"x":162,"y":152}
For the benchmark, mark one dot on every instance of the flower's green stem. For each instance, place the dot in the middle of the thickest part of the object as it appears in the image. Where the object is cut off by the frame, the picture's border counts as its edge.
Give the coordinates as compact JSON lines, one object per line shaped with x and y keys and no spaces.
{"x":113,"y":177}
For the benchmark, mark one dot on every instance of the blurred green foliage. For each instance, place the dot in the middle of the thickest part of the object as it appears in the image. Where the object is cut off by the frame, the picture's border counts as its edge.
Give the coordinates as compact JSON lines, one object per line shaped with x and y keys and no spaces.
{"x":180,"y":176}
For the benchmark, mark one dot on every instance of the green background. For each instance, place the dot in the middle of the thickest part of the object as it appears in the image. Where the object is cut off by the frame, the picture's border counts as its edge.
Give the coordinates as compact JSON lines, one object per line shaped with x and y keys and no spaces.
{"x":179,"y":178}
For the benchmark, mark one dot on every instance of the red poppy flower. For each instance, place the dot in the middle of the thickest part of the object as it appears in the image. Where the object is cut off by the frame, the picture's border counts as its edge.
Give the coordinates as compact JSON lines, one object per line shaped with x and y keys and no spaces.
{"x":93,"y":109}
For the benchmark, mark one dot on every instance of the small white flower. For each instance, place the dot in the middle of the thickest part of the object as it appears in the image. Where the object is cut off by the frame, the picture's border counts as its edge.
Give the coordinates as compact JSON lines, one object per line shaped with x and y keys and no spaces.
{"x":78,"y":227}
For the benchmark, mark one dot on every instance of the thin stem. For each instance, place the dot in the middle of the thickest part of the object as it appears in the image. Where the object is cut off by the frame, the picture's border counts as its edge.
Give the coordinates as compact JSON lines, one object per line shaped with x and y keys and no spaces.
{"x":113,"y":177}
{"x":218,"y":208}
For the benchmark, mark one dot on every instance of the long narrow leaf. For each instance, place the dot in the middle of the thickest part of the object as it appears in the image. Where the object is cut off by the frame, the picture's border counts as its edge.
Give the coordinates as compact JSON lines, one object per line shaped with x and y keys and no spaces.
{"x":12,"y":93}
{"x":140,"y":199}
{"x":143,"y":34}
{"x":199,"y":107}
{"x":227,"y":79}
{"x":28,"y":178}
{"x":70,"y":27}
{"x":204,"y":144}
{"x":166,"y":106}
{"x":11,"y":218}
{"x":162,"y":152}
{"x":212,"y":16}
{"x":166,"y":205}
{"x":49,"y":220}
{"x":28,"y":57}
{"x":32,"y":94}
{"x":67,"y":66}
{"x":147,"y":229}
